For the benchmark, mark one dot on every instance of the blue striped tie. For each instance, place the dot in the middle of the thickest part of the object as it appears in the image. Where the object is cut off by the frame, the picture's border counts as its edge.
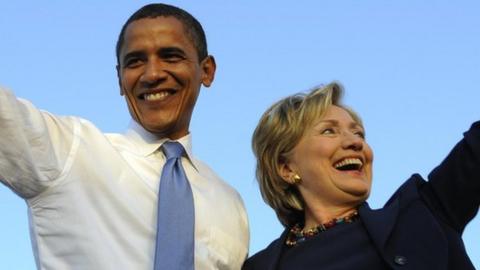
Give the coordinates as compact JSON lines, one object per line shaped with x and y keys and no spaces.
{"x":176,"y":217}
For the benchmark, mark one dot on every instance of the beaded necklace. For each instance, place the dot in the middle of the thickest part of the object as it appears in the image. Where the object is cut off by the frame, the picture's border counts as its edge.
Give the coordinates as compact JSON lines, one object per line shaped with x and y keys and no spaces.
{"x":297,"y":234}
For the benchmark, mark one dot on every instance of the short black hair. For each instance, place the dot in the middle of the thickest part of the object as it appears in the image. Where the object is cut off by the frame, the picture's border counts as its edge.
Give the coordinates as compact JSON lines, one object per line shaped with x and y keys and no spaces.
{"x":192,"y":26}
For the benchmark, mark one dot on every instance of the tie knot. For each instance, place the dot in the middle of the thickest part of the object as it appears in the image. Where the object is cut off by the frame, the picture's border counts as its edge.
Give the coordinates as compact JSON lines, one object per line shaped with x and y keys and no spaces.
{"x":173,"y":149}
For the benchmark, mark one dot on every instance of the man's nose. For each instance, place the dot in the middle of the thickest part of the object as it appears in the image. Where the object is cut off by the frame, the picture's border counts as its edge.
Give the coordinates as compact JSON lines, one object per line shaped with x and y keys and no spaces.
{"x":154,"y":72}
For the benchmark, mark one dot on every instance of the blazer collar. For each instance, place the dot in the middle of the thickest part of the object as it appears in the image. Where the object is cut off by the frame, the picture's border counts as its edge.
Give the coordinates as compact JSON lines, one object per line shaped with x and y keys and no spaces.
{"x":379,"y":223}
{"x":276,"y":251}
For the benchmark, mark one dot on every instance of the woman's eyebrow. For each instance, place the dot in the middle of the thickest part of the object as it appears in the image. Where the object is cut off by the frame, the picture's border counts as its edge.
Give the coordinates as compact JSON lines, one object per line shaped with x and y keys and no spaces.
{"x":334,"y":122}
{"x":330,"y":121}
{"x":355,"y":125}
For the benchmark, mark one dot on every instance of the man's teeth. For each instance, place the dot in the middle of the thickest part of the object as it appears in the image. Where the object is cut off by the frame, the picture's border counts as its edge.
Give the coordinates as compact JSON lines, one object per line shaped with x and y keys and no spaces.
{"x":349,"y":161}
{"x":156,"y":96}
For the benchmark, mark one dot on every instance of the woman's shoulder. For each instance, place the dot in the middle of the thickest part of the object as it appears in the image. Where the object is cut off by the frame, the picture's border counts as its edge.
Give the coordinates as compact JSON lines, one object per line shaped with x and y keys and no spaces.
{"x":266,"y":258}
{"x":409,"y":190}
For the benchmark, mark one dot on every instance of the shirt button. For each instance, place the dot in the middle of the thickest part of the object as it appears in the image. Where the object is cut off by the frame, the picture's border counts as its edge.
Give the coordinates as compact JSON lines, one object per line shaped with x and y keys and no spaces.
{"x":400,"y":260}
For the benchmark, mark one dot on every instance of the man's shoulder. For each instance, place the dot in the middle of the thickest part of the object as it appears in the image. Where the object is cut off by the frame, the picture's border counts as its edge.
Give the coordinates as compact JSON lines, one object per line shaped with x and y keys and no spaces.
{"x":122,"y":142}
{"x":207,"y":172}
{"x":117,"y":138}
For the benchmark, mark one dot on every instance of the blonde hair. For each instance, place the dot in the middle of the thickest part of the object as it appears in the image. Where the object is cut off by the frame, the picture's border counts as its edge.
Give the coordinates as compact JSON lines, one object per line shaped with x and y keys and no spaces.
{"x":278,"y":132}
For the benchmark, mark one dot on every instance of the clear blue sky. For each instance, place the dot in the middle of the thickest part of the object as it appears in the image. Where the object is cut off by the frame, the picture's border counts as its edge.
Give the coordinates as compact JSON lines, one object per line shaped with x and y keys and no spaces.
{"x":410,"y":69}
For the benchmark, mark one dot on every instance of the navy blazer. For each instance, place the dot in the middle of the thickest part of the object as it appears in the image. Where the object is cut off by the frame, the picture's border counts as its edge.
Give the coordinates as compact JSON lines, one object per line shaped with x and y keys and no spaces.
{"x":421,"y":225}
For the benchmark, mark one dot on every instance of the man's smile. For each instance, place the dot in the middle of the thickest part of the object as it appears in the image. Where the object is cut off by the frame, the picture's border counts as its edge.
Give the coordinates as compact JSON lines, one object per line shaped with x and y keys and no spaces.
{"x":156,"y":95}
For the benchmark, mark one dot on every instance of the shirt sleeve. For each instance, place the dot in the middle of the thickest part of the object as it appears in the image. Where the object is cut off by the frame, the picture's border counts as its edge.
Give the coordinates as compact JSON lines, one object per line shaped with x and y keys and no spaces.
{"x":455,"y":183}
{"x":35,"y":146}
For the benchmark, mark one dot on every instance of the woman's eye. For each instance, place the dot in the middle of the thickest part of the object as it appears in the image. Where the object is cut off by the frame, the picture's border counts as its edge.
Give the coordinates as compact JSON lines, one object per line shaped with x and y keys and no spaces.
{"x":360,"y":134}
{"x":328,"y":131}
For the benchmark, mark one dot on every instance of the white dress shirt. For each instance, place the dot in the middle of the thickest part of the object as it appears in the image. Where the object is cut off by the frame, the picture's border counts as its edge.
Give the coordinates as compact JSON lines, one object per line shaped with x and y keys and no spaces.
{"x":92,"y":196}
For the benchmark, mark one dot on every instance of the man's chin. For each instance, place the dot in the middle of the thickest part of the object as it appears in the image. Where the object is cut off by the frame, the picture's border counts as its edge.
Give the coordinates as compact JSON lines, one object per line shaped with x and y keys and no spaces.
{"x":164,"y":131}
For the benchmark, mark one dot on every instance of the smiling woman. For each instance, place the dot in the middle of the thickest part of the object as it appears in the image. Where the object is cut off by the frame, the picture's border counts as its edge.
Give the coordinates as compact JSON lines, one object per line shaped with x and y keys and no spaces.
{"x":314,"y":168}
{"x":333,"y":150}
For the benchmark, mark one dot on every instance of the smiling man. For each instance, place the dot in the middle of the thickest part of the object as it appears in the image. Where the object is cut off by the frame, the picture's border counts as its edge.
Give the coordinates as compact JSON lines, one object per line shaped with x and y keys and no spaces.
{"x":101,"y":201}
{"x":160,"y":73}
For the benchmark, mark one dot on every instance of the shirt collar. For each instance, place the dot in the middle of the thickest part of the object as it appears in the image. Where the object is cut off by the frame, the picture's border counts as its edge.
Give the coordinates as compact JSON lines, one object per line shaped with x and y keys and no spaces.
{"x":147,"y":143}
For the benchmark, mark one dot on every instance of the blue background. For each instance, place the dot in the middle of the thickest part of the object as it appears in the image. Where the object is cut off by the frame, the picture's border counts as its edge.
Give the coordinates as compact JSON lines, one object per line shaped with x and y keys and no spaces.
{"x":410,"y":69}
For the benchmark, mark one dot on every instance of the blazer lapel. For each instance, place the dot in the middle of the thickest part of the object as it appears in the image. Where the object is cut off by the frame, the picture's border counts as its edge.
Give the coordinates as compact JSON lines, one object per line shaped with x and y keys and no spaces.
{"x":275,"y":251}
{"x":405,"y":231}
{"x":379,"y":223}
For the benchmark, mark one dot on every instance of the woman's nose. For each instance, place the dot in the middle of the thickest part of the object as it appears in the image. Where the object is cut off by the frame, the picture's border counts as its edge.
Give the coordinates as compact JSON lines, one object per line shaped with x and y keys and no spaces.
{"x":352,"y":141}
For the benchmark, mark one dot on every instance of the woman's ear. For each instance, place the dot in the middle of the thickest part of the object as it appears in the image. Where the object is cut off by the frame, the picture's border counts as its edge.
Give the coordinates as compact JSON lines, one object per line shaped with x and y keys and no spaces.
{"x":287,"y":173}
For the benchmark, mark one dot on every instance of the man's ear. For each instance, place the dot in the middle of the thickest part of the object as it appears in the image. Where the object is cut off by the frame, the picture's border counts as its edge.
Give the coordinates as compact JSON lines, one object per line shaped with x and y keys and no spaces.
{"x":119,"y":80}
{"x":208,"y":67}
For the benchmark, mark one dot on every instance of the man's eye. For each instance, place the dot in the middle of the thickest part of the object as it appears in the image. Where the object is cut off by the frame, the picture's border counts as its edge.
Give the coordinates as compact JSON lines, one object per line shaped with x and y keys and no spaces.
{"x":131,"y":63}
{"x":173,"y":58}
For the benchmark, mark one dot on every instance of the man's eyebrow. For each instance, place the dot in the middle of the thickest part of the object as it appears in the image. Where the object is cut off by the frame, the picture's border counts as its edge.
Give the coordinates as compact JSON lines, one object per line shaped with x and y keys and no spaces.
{"x":170,"y":50}
{"x":161,"y":52}
{"x":132,"y":54}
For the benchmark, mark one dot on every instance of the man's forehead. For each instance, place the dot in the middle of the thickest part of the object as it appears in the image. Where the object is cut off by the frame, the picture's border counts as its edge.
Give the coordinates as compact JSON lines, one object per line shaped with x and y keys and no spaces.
{"x":159,"y":23}
{"x":158,"y":29}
